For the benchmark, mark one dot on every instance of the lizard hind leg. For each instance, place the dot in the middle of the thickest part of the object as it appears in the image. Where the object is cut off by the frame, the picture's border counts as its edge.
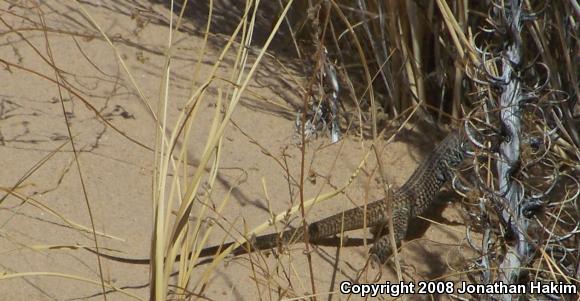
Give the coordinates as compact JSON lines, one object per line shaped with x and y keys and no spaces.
{"x":382,"y":247}
{"x":379,"y":230}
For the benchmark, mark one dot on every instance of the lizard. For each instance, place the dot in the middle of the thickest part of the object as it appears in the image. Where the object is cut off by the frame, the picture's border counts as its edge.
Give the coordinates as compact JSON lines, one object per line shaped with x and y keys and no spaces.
{"x":413,"y":198}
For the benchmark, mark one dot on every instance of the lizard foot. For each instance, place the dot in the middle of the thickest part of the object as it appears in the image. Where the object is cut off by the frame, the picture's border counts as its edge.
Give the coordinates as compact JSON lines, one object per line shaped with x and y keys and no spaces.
{"x":375,"y":261}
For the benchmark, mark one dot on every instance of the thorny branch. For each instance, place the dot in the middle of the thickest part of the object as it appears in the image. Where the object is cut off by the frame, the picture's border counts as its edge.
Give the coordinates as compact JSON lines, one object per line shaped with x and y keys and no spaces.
{"x":514,"y":132}
{"x":509,"y":150}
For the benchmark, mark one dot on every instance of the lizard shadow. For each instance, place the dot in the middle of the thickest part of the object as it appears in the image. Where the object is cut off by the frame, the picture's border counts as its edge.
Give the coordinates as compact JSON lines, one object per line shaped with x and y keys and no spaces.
{"x":420,"y":226}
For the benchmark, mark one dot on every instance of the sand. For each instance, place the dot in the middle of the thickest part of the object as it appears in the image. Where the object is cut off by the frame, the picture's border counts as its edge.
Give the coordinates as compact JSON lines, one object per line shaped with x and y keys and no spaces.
{"x":116,"y":158}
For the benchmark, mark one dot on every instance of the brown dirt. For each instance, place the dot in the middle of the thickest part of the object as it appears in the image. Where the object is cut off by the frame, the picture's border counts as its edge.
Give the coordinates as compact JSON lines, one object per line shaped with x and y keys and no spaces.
{"x":117,"y":173}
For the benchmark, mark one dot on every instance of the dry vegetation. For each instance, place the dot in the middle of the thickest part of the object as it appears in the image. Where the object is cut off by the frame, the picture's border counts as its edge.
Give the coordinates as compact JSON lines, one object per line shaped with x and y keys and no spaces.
{"x":504,"y":71}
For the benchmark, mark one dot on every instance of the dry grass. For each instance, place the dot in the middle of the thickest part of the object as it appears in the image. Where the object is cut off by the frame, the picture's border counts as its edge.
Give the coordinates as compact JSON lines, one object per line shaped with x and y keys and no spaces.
{"x":397,"y":62}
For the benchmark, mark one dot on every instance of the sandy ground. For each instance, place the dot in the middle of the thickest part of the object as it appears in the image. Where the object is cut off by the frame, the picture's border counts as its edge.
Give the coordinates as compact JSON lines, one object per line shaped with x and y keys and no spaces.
{"x":116,"y":159}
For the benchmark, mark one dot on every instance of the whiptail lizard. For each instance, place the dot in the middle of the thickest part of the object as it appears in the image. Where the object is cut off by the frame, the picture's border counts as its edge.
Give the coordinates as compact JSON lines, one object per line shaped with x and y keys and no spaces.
{"x":411,"y":200}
